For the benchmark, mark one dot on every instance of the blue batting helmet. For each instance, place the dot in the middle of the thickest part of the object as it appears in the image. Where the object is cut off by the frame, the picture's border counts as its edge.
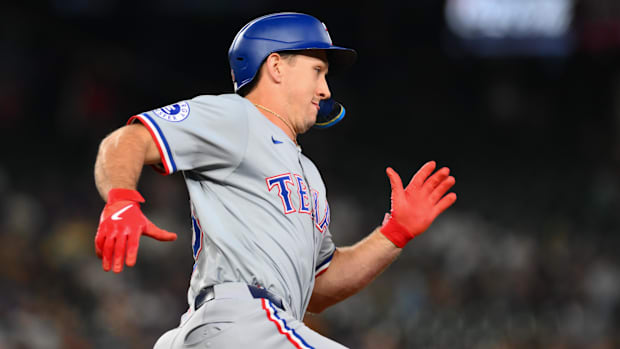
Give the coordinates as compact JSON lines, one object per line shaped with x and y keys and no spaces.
{"x":287,"y":31}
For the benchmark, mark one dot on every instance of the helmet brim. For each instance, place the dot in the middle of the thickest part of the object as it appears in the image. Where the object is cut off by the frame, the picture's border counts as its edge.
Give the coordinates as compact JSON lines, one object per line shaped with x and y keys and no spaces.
{"x":340,"y":58}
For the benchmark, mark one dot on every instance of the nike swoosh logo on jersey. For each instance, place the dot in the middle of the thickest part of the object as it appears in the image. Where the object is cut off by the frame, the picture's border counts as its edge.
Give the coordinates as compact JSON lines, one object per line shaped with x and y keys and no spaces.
{"x":117,"y":215}
{"x":275,"y":141}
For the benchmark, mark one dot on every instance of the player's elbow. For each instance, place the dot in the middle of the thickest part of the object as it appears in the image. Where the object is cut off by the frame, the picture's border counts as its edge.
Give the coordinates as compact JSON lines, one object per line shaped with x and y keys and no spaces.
{"x":319,"y":302}
{"x":134,"y":139}
{"x":109,"y":142}
{"x":316,"y":308}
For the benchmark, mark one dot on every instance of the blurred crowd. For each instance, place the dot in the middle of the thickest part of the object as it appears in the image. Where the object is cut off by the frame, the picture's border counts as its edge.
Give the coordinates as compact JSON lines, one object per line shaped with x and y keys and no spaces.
{"x":527,"y":258}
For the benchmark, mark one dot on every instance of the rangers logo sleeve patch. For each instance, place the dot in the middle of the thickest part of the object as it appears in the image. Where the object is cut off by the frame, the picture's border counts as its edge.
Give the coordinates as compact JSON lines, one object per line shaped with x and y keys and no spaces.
{"x":174,"y":112}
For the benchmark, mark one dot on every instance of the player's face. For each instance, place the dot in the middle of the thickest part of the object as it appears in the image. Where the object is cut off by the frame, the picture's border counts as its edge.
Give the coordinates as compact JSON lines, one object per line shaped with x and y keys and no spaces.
{"x":305,"y":86}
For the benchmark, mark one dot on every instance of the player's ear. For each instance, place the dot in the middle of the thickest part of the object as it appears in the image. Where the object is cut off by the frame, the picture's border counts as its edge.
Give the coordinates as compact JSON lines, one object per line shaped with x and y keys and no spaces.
{"x":274,"y":67}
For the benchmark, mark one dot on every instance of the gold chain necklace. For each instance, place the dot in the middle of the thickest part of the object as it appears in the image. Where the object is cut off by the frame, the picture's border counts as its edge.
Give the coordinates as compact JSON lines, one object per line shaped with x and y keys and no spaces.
{"x":279,"y":117}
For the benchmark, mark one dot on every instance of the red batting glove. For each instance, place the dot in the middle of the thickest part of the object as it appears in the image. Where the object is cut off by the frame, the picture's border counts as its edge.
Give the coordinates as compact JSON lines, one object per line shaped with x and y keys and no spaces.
{"x":414,"y":208}
{"x":120,"y":227}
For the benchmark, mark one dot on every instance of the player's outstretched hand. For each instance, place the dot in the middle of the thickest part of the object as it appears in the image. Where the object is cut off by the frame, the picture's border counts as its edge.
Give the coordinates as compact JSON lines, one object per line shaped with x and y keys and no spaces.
{"x":120,"y":227}
{"x":415,"y":207}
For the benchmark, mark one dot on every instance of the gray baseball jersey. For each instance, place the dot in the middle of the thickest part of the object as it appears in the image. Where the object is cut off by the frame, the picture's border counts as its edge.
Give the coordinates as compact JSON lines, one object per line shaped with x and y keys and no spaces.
{"x":259,"y":208}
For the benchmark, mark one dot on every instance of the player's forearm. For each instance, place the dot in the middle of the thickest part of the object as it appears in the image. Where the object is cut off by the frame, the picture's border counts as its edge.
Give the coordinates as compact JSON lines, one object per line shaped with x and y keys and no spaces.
{"x":120,"y":160}
{"x":351,"y":269}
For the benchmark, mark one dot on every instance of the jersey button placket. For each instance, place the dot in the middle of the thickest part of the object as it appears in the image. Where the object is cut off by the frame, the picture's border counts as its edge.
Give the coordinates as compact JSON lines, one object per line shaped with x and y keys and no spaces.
{"x":305,"y":177}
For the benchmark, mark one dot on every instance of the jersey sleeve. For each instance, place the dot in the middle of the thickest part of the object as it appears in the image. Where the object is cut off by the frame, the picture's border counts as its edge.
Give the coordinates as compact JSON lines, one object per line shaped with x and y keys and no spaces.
{"x":326,"y":253}
{"x":207,"y":132}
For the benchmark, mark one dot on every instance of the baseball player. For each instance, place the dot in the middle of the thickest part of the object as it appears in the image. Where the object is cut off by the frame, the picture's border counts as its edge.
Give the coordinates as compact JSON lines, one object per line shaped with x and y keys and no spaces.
{"x":262,"y":245}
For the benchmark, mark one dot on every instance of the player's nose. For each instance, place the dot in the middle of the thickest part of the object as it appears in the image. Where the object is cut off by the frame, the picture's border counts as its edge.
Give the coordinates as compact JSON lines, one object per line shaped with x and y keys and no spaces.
{"x":323,"y":89}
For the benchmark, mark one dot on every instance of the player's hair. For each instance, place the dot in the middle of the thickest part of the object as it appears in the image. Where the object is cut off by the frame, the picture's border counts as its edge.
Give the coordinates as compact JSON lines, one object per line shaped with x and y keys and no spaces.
{"x":246,"y":89}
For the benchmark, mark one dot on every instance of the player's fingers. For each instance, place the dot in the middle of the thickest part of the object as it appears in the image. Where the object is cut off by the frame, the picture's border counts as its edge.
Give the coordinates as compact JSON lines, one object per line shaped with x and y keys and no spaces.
{"x":395,"y":182}
{"x":433,"y":181}
{"x":159,"y":234}
{"x":444,"y":203}
{"x":442,"y":189}
{"x":418,"y":179}
{"x":119,"y":253}
{"x":133,"y":241}
{"x":100,"y":239}
{"x":99,"y":245}
{"x":108,"y":252}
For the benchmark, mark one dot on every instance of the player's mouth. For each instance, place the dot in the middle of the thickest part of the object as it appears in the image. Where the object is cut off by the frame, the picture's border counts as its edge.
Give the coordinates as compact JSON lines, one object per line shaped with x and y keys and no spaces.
{"x":316,"y":105}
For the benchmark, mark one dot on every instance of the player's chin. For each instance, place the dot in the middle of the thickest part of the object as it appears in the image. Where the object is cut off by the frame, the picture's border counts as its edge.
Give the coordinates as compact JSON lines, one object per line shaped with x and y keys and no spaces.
{"x":307,"y":127}
{"x":310,"y":122}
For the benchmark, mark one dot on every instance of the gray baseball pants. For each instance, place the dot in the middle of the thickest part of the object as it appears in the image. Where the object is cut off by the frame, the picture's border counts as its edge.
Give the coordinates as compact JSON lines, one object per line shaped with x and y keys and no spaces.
{"x":235,"y":319}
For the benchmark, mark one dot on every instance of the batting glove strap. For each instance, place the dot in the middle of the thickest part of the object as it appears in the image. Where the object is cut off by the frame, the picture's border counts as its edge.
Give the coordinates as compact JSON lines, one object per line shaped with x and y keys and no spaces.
{"x":395,"y":232}
{"x":121,"y":194}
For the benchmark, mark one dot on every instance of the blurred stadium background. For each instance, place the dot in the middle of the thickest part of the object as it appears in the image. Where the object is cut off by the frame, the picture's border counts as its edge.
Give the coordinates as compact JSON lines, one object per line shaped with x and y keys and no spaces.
{"x":520,"y":98}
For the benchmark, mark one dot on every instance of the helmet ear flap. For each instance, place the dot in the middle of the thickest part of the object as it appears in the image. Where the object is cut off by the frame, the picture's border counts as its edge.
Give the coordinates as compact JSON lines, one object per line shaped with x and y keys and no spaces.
{"x":330,"y":113}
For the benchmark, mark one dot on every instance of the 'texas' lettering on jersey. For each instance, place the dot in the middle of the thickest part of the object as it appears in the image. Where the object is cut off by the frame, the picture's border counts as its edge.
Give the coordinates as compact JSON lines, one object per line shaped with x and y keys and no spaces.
{"x":288,"y":183}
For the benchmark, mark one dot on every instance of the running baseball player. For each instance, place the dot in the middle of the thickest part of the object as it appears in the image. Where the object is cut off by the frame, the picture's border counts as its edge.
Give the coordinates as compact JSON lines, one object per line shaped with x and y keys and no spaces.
{"x":262,"y":245}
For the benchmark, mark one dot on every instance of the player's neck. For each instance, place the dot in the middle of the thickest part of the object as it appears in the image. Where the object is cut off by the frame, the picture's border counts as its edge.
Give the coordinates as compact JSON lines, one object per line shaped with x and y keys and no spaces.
{"x":264,"y":106}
